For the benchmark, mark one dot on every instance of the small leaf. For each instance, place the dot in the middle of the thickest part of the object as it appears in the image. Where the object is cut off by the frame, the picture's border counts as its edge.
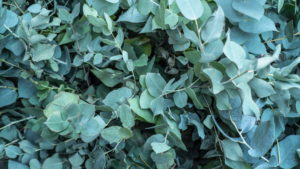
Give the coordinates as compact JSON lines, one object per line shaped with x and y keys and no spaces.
{"x":289,"y":31}
{"x":111,"y":134}
{"x":250,"y":8}
{"x":232,"y":150}
{"x":56,"y":123}
{"x":98,"y":58}
{"x":213,"y":28}
{"x":53,"y":162}
{"x":91,"y":128}
{"x":161,"y":158}
{"x":146,"y":99}
{"x":145,"y":114}
{"x":12,"y":151}
{"x":215,"y":77}
{"x":155,"y":84}
{"x":76,"y":160}
{"x":144,"y":7}
{"x":234,"y":52}
{"x":126,"y":116}
{"x":108,"y":21}
{"x":125,"y":133}
{"x":160,"y":147}
{"x":160,"y":15}
{"x":262,"y":139}
{"x":158,"y":138}
{"x":191,"y":9}
{"x":253,"y":26}
{"x":35,"y":164}
{"x":180,"y":99}
{"x":193,"y":96}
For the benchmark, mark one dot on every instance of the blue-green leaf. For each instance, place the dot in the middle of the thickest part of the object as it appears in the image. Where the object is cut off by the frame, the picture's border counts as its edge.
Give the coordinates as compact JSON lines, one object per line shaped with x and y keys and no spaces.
{"x":191,"y":9}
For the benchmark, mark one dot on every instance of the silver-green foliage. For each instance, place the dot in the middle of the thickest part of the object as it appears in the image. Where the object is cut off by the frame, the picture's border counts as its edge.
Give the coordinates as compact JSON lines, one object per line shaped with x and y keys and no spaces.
{"x":149,"y":84}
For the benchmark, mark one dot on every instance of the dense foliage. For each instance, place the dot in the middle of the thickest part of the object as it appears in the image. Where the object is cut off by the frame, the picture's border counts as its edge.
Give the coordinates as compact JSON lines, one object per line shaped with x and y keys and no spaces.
{"x":167,"y":84}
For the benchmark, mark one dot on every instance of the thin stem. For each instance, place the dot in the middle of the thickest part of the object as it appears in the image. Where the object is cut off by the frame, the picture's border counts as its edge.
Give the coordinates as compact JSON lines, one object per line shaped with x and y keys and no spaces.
{"x":69,"y":140}
{"x":87,"y":80}
{"x":110,"y":119}
{"x":172,"y":91}
{"x":214,"y":126}
{"x":12,"y":64}
{"x":278,"y":149}
{"x":198,"y":31}
{"x":114,"y":148}
{"x":145,"y":161}
{"x":194,"y":82}
{"x":298,"y":33}
{"x":8,"y":4}
{"x":76,"y":40}
{"x":51,"y":88}
{"x":28,"y":118}
{"x":18,"y":7}
{"x":11,"y":31}
{"x":47,"y":3}
{"x":232,"y":79}
{"x":166,"y":135}
{"x":9,"y":87}
{"x":12,"y":142}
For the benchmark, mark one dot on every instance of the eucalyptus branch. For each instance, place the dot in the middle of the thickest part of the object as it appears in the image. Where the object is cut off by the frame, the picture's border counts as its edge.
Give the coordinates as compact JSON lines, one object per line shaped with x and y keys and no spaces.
{"x":13,"y":142}
{"x":122,"y":54}
{"x":244,"y":142}
{"x":298,"y":33}
{"x":19,"y":8}
{"x":232,"y":79}
{"x":51,"y":88}
{"x":12,"y":64}
{"x":5,"y":3}
{"x":173,"y":91}
{"x":28,"y":118}
{"x":115,"y":147}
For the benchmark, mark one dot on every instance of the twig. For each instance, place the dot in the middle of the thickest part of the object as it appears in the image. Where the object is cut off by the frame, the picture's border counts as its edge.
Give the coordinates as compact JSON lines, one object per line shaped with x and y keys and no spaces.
{"x":87,"y":80}
{"x":173,"y":166}
{"x":214,"y":126}
{"x":145,"y":161}
{"x":298,"y":33}
{"x":8,"y":4}
{"x":9,"y":87}
{"x":18,"y":7}
{"x":114,"y":148}
{"x":232,"y":79}
{"x":11,"y":31}
{"x":28,"y":118}
{"x":12,"y":142}
{"x":110,"y":119}
{"x":244,"y":142}
{"x":278,"y":149}
{"x":12,"y":64}
{"x":198,"y":31}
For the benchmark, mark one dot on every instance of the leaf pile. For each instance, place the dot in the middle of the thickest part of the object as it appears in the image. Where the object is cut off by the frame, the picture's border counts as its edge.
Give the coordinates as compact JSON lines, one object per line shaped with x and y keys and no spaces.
{"x":145,"y":84}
